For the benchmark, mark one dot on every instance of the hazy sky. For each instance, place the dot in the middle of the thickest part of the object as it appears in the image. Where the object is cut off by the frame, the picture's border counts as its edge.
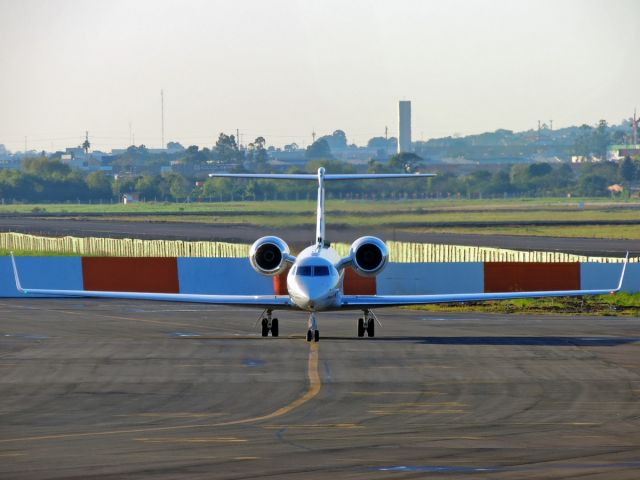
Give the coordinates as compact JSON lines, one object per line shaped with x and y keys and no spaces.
{"x":284,"y":68}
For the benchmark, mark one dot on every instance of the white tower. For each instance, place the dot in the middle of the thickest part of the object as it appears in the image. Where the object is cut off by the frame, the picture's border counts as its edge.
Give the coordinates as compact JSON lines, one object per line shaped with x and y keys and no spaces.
{"x":404,"y":126}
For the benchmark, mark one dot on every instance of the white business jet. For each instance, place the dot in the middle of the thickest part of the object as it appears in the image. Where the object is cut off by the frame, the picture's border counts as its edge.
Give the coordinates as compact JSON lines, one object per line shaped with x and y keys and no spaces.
{"x":316,"y":276}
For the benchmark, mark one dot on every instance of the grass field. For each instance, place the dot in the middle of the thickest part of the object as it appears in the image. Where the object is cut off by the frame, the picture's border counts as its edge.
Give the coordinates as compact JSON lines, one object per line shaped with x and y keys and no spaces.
{"x":618,"y":232}
{"x":421,"y":216}
{"x":620,"y":304}
{"x":334,"y":205}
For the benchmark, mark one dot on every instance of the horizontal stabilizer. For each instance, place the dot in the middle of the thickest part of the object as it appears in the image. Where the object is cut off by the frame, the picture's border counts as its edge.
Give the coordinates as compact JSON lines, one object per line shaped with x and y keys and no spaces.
{"x":327,"y":176}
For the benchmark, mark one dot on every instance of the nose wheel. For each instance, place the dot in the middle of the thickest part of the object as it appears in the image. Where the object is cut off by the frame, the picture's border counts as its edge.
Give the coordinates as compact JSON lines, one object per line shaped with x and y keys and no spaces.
{"x":313,"y":334}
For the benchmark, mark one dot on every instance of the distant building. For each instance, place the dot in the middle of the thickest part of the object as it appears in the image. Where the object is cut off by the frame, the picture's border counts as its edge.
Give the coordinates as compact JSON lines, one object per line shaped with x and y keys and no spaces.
{"x":404,"y":126}
{"x":618,"y":152}
{"x":585,"y":159}
{"x":130,"y":198}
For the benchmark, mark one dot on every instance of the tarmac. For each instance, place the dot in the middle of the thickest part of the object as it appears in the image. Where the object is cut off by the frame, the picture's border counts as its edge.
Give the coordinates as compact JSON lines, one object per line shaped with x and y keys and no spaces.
{"x":121,"y":389}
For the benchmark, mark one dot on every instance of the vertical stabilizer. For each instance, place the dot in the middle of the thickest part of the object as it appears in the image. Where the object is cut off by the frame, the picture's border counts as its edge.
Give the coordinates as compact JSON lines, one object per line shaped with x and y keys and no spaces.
{"x":320,"y":240}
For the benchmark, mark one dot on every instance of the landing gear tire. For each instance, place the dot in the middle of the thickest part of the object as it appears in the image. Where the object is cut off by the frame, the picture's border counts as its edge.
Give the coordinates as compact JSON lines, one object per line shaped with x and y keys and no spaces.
{"x":316,"y":336}
{"x":274,"y":327}
{"x":265,"y":327}
{"x":361,"y":327}
{"x":371,"y":327}
{"x":309,"y":335}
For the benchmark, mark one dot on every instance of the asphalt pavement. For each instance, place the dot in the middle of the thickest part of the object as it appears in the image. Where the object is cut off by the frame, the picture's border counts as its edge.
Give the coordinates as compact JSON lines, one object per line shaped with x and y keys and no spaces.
{"x":120,"y":389}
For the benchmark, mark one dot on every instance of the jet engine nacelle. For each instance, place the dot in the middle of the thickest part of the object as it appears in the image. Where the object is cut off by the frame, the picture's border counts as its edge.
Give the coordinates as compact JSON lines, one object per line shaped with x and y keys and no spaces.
{"x":269,"y":255}
{"x":369,"y":256}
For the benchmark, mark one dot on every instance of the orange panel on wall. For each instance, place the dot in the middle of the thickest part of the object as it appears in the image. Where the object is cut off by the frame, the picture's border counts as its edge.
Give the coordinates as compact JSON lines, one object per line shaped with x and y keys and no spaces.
{"x":121,"y":274}
{"x":526,"y":276}
{"x":354,"y":284}
{"x":280,"y":283}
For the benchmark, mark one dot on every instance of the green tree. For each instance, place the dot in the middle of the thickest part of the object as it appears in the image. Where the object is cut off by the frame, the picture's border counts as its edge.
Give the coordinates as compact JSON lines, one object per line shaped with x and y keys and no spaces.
{"x":99,"y":185}
{"x":218,"y":188}
{"x":331,"y":166}
{"x":318,"y":150}
{"x":592,"y":186}
{"x":148,"y":186}
{"x":44,"y":167}
{"x":257,"y":155}
{"x":406,"y":162}
{"x":179,"y":187}
{"x":226,"y":149}
{"x":337,"y":140}
{"x":627,"y":170}
{"x":124,"y":185}
{"x":477,"y":182}
{"x":601,"y":139}
{"x":500,"y":183}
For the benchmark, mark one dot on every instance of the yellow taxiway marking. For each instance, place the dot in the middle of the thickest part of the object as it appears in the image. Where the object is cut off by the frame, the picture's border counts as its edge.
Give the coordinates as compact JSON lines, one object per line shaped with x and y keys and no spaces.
{"x":315,"y":385}
{"x":246,"y":458}
{"x":191,"y":440}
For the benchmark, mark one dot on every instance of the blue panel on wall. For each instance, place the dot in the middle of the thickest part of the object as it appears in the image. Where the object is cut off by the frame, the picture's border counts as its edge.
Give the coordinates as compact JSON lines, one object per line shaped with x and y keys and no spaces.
{"x":607,"y":275}
{"x":222,"y":276}
{"x":431,"y":278}
{"x":41,"y":272}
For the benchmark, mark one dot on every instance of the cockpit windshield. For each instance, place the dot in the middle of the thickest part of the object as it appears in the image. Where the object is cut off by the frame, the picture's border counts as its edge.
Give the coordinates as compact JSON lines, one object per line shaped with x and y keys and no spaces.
{"x":321,"y":271}
{"x":312,"y":271}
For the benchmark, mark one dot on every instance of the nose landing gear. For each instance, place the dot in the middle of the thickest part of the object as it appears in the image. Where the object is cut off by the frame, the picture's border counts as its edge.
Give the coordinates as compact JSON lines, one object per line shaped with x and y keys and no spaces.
{"x":313,"y":334}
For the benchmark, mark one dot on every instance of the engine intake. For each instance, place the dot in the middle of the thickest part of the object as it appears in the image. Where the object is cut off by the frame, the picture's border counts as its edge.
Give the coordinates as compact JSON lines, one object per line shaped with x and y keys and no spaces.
{"x":269,"y":255}
{"x":369,"y":256}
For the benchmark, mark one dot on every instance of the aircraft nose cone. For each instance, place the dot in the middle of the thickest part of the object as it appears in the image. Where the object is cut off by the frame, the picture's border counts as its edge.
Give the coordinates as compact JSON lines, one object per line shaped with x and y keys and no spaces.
{"x":307,"y":297}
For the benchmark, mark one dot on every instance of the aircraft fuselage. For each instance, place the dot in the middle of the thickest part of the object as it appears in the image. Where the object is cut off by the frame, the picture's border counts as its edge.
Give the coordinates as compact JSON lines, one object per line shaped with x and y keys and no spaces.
{"x":314,"y":282}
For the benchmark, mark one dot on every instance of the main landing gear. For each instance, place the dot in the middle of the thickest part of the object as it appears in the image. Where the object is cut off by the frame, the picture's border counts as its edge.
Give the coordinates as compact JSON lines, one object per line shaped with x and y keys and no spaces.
{"x":313,"y":334}
{"x":367,"y":324}
{"x":270,"y":324}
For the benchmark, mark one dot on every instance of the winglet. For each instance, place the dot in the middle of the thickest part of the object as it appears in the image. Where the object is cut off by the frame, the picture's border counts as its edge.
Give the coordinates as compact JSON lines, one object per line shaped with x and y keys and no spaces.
{"x":15,"y":275}
{"x":624,"y":268}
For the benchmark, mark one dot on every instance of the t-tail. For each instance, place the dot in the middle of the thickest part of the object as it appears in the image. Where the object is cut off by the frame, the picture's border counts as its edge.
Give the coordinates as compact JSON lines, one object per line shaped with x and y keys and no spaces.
{"x":321,"y":177}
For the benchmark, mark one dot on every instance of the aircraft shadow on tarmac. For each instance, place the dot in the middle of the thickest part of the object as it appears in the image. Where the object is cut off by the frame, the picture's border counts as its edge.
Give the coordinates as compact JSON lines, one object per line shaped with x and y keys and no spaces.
{"x":516,"y":341}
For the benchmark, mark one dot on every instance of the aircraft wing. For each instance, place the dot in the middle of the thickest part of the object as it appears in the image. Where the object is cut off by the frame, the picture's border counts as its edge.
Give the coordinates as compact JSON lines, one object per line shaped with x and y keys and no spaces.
{"x":279,"y":302}
{"x":357,"y":302}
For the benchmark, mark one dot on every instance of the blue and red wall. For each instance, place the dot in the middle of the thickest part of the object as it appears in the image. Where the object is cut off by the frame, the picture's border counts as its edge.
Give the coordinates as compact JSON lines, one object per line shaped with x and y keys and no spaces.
{"x":235,"y":276}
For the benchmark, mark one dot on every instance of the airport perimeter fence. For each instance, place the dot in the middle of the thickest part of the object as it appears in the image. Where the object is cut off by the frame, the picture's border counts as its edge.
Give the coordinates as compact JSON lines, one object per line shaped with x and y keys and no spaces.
{"x":400,"y":252}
